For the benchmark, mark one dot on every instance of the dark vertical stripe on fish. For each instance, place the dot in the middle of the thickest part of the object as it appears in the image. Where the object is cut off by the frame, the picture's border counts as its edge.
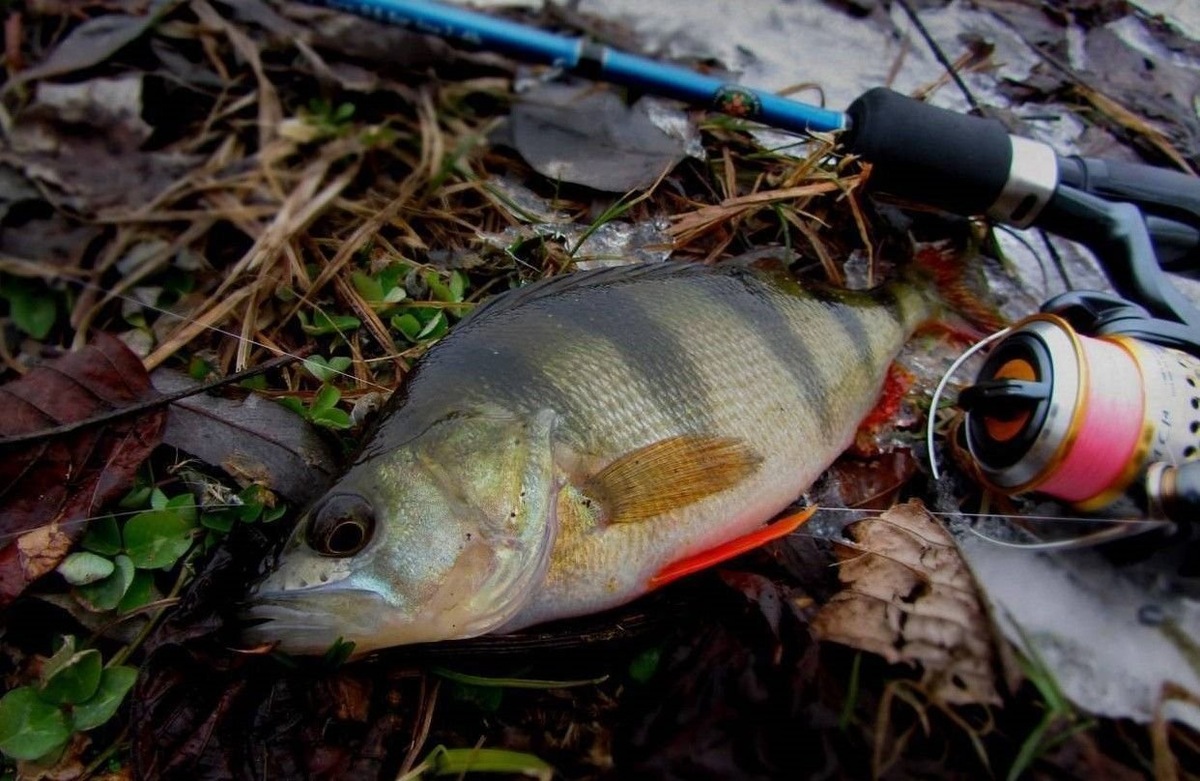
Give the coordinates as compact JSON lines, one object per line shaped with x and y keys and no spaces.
{"x":658,"y":361}
{"x":762,"y":316}
{"x":845,"y":314}
{"x":467,"y":371}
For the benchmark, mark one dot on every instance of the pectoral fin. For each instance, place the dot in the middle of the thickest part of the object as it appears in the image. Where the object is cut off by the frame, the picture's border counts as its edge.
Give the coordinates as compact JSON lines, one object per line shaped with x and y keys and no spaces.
{"x":669,"y":474}
{"x":728,"y":550}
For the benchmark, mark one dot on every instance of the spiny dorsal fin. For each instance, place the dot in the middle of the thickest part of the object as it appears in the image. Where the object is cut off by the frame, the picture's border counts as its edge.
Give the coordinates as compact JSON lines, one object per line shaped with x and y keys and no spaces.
{"x":669,"y":474}
{"x":563,"y":283}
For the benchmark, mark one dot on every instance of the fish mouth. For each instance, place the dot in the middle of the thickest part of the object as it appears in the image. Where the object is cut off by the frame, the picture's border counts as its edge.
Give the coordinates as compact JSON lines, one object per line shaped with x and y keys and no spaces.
{"x":481,"y":594}
{"x":308,"y":624}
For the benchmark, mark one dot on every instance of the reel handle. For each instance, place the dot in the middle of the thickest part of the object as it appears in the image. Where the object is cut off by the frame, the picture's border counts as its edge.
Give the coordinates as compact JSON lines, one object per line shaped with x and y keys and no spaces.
{"x":1166,"y":194}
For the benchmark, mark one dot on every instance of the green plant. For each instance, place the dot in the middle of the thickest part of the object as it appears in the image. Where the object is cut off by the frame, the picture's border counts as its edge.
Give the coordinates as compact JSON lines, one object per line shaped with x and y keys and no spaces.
{"x":326,"y":370}
{"x":443,"y":761}
{"x":114,"y":569}
{"x":1059,"y":722}
{"x":328,"y":120}
{"x":384,"y":290}
{"x":75,"y":692}
{"x":251,"y":505}
{"x":425,"y":324}
{"x":31,"y":305}
{"x":643,"y":666}
{"x":322,"y":410}
{"x":323,"y":324}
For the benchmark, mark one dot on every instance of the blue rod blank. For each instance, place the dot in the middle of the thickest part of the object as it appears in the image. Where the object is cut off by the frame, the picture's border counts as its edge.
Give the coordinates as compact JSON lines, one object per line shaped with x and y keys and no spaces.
{"x":595,"y":61}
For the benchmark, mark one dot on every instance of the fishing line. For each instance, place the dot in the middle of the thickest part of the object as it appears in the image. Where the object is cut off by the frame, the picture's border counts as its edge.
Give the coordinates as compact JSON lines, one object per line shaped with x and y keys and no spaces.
{"x":115,"y":515}
{"x":941,"y":387}
{"x":1009,"y":516}
{"x":1122,"y":530}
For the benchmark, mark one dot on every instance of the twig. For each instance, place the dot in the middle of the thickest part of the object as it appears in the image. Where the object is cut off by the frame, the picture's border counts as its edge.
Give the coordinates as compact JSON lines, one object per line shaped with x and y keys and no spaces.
{"x":940,"y":55}
{"x":149,"y":404}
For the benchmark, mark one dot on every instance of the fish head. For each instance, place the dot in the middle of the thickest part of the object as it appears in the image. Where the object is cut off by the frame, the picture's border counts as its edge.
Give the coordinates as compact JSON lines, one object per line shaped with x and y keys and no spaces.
{"x":444,"y":537}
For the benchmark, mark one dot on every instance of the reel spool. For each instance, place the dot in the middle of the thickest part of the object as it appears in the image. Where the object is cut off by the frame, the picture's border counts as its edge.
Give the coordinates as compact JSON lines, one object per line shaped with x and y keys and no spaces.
{"x":1081,"y":418}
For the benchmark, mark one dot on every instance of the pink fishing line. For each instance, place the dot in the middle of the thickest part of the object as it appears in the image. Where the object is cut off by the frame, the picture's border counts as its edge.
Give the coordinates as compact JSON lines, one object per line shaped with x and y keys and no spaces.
{"x":1113,"y":413}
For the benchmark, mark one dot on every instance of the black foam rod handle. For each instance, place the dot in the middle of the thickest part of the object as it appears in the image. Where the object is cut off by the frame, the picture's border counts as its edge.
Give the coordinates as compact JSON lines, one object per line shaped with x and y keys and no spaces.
{"x":943,"y":158}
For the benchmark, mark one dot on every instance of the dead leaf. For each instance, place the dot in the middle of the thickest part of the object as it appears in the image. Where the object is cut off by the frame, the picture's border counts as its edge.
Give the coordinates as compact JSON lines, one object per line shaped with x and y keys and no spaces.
{"x":589,"y":136}
{"x":909,"y":597}
{"x":48,"y":488}
{"x":98,"y":103}
{"x":255,"y":440}
{"x":82,"y":143}
{"x":93,"y":42}
{"x":56,"y":242}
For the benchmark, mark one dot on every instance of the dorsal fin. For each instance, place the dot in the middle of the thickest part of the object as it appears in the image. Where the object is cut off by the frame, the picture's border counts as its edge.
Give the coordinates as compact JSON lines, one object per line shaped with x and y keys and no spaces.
{"x":577,"y":280}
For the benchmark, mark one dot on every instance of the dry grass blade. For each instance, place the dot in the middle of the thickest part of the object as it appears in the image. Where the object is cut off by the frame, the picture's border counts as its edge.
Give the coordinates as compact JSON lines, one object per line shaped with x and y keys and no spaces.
{"x":88,"y":307}
{"x":196,"y":325}
{"x":424,"y":721}
{"x":1133,"y":123}
{"x":307,"y":201}
{"x":832,"y":271}
{"x":1166,"y":764}
{"x":270,"y":111}
{"x":690,"y":225}
{"x":363,"y":233}
{"x":864,"y":230}
{"x":370,"y":319}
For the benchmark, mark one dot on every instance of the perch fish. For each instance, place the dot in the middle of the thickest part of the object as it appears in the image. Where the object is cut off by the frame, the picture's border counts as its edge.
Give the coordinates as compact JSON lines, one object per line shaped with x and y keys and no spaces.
{"x":577,"y":442}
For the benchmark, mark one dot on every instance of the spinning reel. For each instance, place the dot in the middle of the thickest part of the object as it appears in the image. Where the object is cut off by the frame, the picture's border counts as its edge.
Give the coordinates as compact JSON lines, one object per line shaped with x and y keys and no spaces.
{"x":1097,"y":396}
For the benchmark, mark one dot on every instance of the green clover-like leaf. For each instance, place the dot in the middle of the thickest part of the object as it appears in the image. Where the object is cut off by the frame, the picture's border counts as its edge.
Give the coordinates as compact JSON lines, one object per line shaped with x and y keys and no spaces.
{"x":74,"y":680}
{"x":323,"y":324}
{"x":32,"y":306}
{"x":84,"y":567}
{"x":156,"y":539}
{"x":333,"y":418}
{"x":103,"y":536}
{"x":141,"y":592}
{"x":325,"y":399}
{"x":408,"y":325}
{"x":107,"y":594}
{"x":115,"y":683}
{"x":30,"y":727}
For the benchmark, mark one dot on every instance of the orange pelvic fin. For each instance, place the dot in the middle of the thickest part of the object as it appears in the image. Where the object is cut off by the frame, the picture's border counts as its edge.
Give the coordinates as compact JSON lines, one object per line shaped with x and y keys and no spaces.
{"x":728,"y":550}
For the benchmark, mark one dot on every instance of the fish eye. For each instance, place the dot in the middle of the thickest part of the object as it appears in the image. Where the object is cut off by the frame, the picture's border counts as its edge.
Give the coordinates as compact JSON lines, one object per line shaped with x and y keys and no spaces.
{"x":342,"y":525}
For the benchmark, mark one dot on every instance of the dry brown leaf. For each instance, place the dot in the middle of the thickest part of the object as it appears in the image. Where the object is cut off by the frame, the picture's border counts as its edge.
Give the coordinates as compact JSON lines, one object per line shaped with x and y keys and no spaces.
{"x":909,"y":597}
{"x":42,"y":549}
{"x":51,"y":484}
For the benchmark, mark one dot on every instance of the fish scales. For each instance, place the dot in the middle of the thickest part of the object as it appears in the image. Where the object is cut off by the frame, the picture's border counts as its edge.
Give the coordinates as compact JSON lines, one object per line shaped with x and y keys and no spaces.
{"x":645,"y":351}
{"x":626,"y":358}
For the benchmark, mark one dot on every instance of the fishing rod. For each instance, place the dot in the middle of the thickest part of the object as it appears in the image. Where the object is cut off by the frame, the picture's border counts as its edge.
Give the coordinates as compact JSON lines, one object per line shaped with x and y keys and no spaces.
{"x":964,"y":164}
{"x":1081,"y":401}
